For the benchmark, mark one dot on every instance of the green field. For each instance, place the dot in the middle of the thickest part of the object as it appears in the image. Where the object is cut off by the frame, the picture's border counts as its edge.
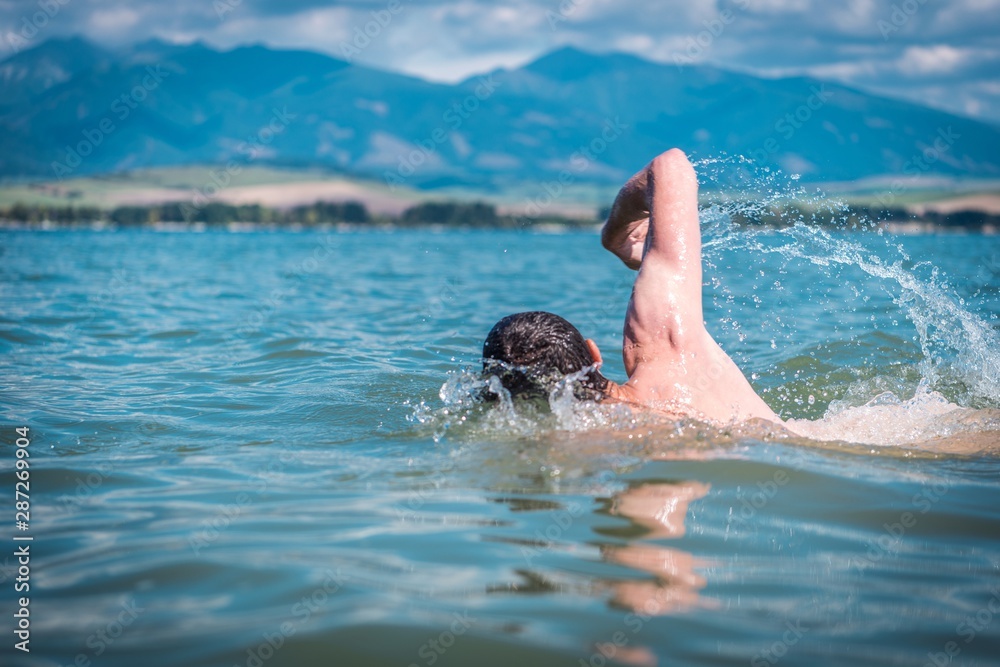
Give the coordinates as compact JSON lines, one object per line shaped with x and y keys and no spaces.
{"x":284,"y":187}
{"x":150,"y":186}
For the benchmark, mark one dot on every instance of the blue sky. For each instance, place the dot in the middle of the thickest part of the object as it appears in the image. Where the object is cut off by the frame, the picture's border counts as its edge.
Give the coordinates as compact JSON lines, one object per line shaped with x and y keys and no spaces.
{"x":945,"y":53}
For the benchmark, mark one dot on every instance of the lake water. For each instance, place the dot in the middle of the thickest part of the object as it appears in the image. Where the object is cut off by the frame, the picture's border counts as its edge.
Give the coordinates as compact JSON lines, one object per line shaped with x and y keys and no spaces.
{"x":260,"y":449}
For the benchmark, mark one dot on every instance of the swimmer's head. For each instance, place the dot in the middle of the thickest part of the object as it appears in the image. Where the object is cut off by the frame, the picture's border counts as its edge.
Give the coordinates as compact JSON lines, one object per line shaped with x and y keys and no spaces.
{"x":530,"y":353}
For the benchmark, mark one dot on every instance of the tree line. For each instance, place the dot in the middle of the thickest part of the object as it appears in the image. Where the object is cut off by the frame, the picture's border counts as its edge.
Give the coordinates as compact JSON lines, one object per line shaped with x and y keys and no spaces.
{"x":470,"y":214}
{"x":859,"y":217}
{"x":458,"y":214}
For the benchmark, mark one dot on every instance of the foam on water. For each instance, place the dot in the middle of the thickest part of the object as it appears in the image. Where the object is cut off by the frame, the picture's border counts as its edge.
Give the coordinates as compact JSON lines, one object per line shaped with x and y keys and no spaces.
{"x":888,"y":420}
{"x":950,"y":389}
{"x":463,"y":408}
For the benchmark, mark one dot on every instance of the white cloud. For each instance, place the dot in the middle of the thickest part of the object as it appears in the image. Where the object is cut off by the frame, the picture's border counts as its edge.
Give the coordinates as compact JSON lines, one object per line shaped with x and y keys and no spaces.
{"x":321,"y":29}
{"x":954,"y":15}
{"x":636,"y":43}
{"x":947,"y":46}
{"x":782,"y":6}
{"x":435,"y":66}
{"x":112,"y":23}
{"x":858,"y":18}
{"x":844,"y":71}
{"x":937,"y":59}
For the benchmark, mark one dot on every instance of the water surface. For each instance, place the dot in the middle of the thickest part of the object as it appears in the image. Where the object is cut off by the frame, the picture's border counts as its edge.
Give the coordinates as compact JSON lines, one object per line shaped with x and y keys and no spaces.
{"x":242,"y":454}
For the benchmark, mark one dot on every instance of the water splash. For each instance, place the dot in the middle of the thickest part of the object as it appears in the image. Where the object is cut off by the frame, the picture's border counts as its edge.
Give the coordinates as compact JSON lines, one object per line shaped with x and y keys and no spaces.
{"x":939,"y":352}
{"x":462,"y":407}
{"x":957,"y":358}
{"x":960,"y":350}
{"x":927,"y":419}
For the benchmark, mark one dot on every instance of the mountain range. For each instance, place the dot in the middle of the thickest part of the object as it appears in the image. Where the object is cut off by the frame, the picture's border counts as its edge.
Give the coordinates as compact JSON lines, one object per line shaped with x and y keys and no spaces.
{"x":69,"y":108}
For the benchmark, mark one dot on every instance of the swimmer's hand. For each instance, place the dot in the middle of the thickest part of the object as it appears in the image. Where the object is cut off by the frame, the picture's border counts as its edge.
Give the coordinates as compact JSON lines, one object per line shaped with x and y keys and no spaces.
{"x":624,"y":233}
{"x":627,"y":241}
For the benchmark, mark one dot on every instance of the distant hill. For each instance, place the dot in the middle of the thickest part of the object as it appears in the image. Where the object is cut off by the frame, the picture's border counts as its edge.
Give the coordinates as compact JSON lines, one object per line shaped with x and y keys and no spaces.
{"x":583,"y":117}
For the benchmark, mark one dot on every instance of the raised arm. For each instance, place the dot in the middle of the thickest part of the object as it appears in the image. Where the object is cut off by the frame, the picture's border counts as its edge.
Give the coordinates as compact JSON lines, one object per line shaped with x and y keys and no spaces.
{"x":665,"y":312}
{"x":674,"y":235}
{"x":671,"y":359}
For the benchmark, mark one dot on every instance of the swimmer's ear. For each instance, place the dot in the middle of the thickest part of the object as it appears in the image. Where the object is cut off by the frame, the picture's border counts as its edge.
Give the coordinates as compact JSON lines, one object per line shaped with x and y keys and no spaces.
{"x":595,"y":353}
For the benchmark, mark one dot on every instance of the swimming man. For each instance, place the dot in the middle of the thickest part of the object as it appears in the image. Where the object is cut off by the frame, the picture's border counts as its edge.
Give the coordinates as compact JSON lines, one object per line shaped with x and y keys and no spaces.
{"x":673,"y":363}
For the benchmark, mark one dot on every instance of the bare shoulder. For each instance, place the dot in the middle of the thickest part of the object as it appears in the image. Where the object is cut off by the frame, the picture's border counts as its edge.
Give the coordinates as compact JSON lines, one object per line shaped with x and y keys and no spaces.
{"x":699,"y":380}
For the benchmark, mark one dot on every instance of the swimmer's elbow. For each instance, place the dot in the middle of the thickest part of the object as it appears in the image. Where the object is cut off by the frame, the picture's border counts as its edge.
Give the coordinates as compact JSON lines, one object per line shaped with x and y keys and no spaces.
{"x":671,"y":164}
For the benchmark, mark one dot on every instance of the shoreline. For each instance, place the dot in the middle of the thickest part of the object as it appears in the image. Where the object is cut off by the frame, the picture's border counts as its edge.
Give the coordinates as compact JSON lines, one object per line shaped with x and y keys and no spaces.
{"x":449,"y":214}
{"x":914,"y":228}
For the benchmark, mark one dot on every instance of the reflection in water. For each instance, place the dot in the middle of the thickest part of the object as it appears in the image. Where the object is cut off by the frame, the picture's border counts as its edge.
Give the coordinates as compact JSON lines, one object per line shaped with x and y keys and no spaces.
{"x":660,"y":509}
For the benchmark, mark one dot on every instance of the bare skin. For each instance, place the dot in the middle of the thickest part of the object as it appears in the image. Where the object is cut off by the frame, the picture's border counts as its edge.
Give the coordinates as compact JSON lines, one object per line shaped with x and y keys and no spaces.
{"x":673,"y":363}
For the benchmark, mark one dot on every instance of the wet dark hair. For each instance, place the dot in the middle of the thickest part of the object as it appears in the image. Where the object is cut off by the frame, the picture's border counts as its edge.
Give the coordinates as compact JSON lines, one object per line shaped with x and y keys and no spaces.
{"x":530,"y":352}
